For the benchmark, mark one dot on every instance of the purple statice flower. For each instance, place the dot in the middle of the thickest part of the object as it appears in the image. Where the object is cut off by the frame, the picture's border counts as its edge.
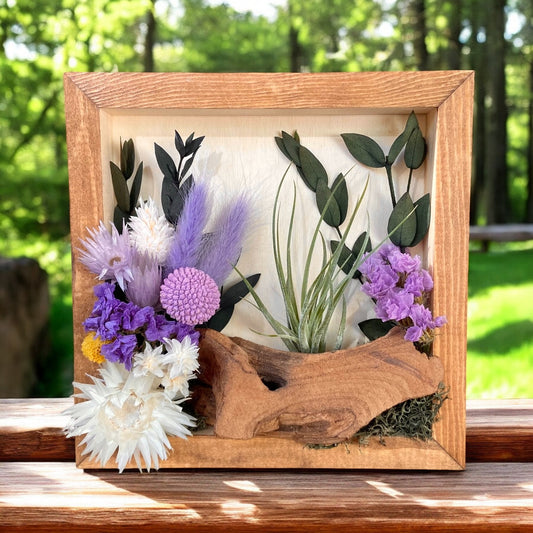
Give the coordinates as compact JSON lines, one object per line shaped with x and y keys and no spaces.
{"x":418,"y":283}
{"x":106,"y":317}
{"x":380,"y":277}
{"x":399,"y":286}
{"x":120,"y":323}
{"x":190,"y":296}
{"x":121,"y":350}
{"x":399,"y":261}
{"x":143,"y":289}
{"x":223,"y":247}
{"x":395,"y":305}
{"x":188,"y":237}
{"x":108,"y":254}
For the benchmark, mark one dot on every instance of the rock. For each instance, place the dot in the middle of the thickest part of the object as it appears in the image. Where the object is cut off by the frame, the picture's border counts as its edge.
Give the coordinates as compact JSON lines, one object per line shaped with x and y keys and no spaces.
{"x":24,"y":313}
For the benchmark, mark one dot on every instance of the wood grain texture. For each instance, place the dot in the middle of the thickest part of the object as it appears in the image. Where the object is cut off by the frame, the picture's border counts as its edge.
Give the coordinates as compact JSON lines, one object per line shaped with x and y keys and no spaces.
{"x":55,"y":496}
{"x":499,"y":430}
{"x":391,"y":91}
{"x":448,"y":255}
{"x":446,"y":98}
{"x":320,"y":398}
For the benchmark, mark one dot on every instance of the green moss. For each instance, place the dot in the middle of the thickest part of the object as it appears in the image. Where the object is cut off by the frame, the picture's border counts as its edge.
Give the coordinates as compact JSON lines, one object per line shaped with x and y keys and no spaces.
{"x":413,"y":419}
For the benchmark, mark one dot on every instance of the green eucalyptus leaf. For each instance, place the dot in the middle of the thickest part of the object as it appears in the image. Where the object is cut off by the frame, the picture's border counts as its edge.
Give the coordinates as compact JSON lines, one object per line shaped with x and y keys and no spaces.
{"x":360,"y":242}
{"x":327,"y":204}
{"x":340,"y":192}
{"x":237,"y":292}
{"x":401,"y":140}
{"x":186,"y":166}
{"x":189,"y":138}
{"x":423,"y":218}
{"x":291,"y":147}
{"x":136,"y":187}
{"x":312,"y":169}
{"x":364,"y":149}
{"x":120,"y":187}
{"x":403,"y":219}
{"x":415,"y":149}
{"x":166,"y":164}
{"x":127,"y":158}
{"x":281,"y":145}
{"x":346,"y":258}
{"x":374,"y":328}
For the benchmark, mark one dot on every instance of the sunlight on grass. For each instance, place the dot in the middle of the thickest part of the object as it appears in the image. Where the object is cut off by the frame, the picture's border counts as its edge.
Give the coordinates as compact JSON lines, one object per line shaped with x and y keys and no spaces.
{"x":500,"y":325}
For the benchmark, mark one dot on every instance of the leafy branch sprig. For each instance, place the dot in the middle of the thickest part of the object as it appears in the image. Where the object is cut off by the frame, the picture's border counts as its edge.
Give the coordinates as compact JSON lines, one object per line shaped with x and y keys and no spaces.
{"x":416,"y":214}
{"x":176,"y":180}
{"x":126,"y":198}
{"x":332,"y":202}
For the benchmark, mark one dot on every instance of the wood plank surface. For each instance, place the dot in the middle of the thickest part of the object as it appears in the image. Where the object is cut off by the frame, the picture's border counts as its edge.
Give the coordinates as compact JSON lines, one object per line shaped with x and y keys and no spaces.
{"x":31,"y":430}
{"x":57,"y":496}
{"x":372,"y":90}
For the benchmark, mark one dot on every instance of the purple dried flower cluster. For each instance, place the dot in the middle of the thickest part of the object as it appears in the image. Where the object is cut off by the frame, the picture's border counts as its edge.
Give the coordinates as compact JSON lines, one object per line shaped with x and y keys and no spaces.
{"x":400,"y":287}
{"x":160,"y":280}
{"x":125,"y":326}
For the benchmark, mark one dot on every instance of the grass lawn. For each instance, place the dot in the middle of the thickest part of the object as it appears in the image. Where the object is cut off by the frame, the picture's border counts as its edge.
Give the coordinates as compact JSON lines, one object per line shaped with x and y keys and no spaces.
{"x":500,"y":324}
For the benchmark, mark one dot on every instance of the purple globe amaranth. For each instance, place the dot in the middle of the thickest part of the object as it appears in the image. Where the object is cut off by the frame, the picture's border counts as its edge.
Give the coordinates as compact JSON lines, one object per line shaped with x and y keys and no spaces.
{"x":190,"y":296}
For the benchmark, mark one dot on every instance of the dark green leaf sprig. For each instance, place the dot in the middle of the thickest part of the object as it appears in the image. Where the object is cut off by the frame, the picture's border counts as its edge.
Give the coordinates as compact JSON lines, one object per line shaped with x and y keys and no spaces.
{"x":177,"y":181}
{"x":332,"y":202}
{"x":126,"y":198}
{"x":410,"y":218}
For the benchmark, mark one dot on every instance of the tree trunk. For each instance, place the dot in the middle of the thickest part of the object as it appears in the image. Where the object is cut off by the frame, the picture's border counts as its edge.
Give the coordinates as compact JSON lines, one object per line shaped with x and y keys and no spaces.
{"x":418,"y":17}
{"x":498,"y":208}
{"x":295,"y":48}
{"x":149,"y":40}
{"x":478,"y":59}
{"x":453,"y":54}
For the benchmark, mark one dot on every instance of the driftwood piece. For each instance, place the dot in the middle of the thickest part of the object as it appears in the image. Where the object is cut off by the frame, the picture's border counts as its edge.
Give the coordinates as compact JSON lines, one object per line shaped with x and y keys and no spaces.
{"x":319,"y":398}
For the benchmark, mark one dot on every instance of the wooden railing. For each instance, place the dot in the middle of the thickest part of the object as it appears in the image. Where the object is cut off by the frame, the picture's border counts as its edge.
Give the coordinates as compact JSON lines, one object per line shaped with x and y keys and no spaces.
{"x":42,"y":490}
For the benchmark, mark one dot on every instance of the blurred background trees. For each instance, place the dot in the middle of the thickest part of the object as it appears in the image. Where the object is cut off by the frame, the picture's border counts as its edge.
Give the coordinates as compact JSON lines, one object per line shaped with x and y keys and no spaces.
{"x":41,"y":40}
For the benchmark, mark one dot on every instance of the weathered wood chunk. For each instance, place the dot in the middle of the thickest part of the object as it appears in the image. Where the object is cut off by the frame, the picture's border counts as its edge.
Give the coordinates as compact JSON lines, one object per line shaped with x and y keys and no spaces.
{"x":319,"y":398}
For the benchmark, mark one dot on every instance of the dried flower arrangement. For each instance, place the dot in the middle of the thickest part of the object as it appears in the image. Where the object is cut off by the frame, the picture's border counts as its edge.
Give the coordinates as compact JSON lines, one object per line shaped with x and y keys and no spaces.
{"x":163,"y":272}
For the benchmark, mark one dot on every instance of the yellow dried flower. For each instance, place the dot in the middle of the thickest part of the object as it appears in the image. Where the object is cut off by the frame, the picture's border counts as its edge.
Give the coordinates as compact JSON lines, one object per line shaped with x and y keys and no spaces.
{"x":91,"y":348}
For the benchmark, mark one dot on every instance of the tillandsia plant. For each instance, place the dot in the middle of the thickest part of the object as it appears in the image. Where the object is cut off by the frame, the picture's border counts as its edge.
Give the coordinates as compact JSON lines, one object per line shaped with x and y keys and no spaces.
{"x":309,"y":308}
{"x":159,"y":281}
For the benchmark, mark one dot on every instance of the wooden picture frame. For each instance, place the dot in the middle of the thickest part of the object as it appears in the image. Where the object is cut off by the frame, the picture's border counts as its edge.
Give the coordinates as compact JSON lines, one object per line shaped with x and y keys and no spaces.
{"x":95,"y":101}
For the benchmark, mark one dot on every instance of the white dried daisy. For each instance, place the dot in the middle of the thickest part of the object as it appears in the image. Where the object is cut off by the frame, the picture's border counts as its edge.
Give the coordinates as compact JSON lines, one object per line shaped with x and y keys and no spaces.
{"x":181,"y":357}
{"x":150,"y":231}
{"x":149,"y":362}
{"x":126,"y":414}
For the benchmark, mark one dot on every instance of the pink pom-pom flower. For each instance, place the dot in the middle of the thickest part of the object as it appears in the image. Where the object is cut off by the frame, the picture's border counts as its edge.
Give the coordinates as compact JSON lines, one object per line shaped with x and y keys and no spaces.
{"x":190,"y":296}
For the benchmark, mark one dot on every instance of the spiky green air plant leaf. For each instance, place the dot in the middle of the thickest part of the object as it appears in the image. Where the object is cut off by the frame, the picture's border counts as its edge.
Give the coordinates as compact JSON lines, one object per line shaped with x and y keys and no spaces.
{"x":309,"y":317}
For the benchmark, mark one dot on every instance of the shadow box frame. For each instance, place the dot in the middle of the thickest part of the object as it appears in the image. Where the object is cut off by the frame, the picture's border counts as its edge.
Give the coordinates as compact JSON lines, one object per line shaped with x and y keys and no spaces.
{"x":444,"y":98}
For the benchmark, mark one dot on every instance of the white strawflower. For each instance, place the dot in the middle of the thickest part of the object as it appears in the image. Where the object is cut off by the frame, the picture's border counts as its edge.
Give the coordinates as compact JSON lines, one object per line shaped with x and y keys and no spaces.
{"x":150,"y":231}
{"x":181,"y":362}
{"x":126,"y":414}
{"x":149,"y":362}
{"x":181,"y":356}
